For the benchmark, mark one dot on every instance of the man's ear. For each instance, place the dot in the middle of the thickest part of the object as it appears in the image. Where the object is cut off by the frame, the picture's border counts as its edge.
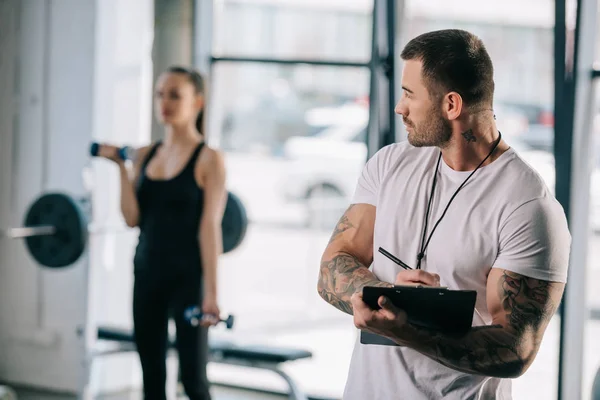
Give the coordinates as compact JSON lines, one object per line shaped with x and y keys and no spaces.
{"x":452,"y":105}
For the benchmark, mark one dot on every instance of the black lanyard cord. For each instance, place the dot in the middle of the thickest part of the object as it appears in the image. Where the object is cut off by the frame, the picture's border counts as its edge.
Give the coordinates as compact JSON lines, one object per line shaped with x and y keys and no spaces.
{"x":425,"y":244}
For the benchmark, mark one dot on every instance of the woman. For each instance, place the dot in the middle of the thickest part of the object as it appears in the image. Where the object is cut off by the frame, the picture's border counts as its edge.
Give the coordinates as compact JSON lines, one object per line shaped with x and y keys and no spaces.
{"x":176,"y":197}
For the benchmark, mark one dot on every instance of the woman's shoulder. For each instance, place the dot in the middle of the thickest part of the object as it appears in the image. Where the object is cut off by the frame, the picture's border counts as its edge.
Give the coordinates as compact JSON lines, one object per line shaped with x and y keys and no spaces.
{"x":211,"y":155}
{"x":210,"y":162}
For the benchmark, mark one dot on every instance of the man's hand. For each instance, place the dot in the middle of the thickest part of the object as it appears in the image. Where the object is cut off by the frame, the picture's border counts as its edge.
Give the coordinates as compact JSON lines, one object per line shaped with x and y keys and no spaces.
{"x":416,"y":277}
{"x":387,"y":321}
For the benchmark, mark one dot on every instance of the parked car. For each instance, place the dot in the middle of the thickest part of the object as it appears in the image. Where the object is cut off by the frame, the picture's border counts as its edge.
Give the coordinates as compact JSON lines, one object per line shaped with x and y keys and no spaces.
{"x":324,"y":167}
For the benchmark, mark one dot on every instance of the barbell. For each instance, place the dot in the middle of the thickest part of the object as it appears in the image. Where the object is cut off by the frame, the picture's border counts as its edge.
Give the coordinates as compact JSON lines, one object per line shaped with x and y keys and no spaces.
{"x":56,"y":229}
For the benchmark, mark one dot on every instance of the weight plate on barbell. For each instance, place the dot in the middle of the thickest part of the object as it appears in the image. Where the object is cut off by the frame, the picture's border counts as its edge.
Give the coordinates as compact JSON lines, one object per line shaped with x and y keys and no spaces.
{"x":234,"y":223}
{"x":68,"y":243}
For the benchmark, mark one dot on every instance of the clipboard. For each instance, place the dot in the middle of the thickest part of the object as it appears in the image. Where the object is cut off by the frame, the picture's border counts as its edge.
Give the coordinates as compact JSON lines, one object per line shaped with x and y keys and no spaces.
{"x":439,"y":309}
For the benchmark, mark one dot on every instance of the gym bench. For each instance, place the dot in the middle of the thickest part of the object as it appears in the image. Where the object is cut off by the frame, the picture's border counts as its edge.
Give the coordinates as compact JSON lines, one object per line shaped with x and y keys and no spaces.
{"x":261,"y":357}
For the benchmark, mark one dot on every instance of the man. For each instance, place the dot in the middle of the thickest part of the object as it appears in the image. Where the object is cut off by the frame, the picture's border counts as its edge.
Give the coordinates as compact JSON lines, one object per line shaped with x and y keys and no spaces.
{"x":464,"y":211}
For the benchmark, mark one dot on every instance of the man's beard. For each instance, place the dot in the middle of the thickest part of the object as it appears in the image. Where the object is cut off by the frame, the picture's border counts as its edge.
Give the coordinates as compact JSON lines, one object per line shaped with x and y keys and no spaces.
{"x":435,"y":131}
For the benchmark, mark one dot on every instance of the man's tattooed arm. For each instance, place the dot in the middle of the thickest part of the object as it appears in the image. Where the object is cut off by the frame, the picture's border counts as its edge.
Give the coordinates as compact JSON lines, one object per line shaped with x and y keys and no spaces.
{"x":343,"y":276}
{"x":521,"y":308}
{"x":343,"y":225}
{"x":344,"y":266}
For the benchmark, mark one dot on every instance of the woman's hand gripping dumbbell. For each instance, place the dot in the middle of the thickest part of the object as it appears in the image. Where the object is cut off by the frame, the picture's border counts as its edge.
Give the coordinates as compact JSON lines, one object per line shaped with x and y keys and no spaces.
{"x":193,"y":316}
{"x":114,"y":153}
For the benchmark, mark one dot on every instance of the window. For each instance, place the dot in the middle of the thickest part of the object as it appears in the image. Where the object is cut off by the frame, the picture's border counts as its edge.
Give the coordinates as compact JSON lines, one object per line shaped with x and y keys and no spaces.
{"x":591,"y":359}
{"x":294,"y":136}
{"x":522,"y":52}
{"x":294,"y":29}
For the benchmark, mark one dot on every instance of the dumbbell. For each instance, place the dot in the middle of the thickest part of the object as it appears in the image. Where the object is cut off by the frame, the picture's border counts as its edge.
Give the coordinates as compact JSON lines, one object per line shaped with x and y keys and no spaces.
{"x":193,"y":316}
{"x":124,"y":153}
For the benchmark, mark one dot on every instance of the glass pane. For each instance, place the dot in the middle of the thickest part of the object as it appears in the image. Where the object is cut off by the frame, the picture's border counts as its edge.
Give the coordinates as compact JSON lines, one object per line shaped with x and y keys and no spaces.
{"x":521,"y":47}
{"x":294,"y":140}
{"x":330,"y":29}
{"x":591,"y":359}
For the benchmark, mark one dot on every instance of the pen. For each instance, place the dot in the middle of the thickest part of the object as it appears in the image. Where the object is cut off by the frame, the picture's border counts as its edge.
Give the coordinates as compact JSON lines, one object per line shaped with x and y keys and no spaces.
{"x":393,"y":258}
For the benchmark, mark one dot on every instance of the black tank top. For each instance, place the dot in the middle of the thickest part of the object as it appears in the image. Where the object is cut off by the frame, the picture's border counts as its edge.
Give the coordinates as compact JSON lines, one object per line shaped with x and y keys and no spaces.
{"x":170,"y":212}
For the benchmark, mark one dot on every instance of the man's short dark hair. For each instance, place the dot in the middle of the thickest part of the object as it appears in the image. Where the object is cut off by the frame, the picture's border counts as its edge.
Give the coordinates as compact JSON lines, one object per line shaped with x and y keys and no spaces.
{"x":454,"y":60}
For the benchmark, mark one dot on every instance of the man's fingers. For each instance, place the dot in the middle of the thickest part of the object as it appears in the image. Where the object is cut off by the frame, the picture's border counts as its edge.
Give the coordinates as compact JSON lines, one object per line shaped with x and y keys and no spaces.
{"x":358,"y":305}
{"x":357,"y":300}
{"x":359,"y":309}
{"x":417,"y":277}
{"x":388,"y":310}
{"x":366,"y":318}
{"x":386,"y":304}
{"x":363,"y":314}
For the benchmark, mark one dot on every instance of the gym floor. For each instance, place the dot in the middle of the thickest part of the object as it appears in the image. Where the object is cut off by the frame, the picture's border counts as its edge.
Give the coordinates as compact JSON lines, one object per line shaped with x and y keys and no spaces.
{"x":219,"y":393}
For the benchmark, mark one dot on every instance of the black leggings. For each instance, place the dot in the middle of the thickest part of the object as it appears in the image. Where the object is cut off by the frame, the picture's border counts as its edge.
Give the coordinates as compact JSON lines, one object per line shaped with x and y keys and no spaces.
{"x":154,"y":301}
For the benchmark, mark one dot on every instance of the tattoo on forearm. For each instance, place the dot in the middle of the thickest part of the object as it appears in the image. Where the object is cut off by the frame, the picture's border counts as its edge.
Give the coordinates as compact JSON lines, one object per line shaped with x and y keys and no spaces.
{"x":469,"y":136}
{"x":488,"y":350}
{"x":498,"y":350}
{"x":343,"y":276}
{"x":525,"y":300}
{"x":343,"y":225}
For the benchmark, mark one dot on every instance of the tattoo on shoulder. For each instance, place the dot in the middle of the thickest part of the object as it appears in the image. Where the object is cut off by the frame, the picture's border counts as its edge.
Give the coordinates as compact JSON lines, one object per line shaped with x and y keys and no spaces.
{"x":343,"y":225}
{"x":469,"y":136}
{"x":526,"y":300}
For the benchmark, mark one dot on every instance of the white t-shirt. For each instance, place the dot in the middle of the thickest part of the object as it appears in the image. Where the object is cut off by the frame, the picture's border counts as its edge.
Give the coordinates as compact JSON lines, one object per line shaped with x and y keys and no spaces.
{"x":504,"y":217}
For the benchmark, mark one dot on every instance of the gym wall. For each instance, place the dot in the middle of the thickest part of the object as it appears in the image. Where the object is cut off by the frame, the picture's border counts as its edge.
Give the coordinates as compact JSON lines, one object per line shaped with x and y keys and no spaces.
{"x":8,"y":48}
{"x":83,"y":72}
{"x":44,"y":313}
